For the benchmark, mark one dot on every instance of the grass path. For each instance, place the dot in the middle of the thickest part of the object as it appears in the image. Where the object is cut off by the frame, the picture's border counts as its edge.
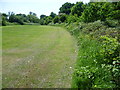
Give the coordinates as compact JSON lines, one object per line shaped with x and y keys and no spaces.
{"x":37,"y":57}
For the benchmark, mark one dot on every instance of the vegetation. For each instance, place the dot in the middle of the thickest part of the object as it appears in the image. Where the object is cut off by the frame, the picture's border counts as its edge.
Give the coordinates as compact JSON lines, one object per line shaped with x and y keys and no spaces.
{"x":97,"y":65}
{"x":96,"y":27}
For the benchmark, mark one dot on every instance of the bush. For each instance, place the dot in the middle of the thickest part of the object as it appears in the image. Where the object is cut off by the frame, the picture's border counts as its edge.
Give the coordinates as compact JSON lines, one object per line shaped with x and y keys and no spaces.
{"x":4,"y":22}
{"x":98,"y":58}
{"x":110,"y":51}
{"x":72,"y":18}
{"x":91,"y":71}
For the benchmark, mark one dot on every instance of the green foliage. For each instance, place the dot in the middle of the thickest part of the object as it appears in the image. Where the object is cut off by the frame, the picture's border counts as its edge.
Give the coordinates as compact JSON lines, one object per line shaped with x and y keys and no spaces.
{"x":14,"y":18}
{"x":45,"y":20}
{"x":110,"y":51}
{"x":33,"y":18}
{"x":52,"y":14}
{"x":66,"y":8}
{"x":56,"y":20}
{"x":72,"y":18}
{"x":4,"y":21}
{"x":89,"y":73}
{"x":90,"y":13}
{"x":63,"y":18}
{"x":77,"y":9}
{"x":115,"y":15}
{"x":98,"y":62}
{"x":42,"y":16}
{"x":105,"y":10}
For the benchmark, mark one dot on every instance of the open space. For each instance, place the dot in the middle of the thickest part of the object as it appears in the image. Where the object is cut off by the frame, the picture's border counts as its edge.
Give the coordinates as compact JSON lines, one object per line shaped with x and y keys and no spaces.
{"x":37,"y":57}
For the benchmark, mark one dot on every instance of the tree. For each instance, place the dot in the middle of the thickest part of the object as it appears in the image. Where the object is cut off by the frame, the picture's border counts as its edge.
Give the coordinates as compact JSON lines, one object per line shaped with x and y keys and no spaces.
{"x":77,"y":9}
{"x":4,"y":22}
{"x":56,"y":20}
{"x":66,"y":8}
{"x":15,"y":18}
{"x":33,"y":19}
{"x":72,"y":18}
{"x":105,"y":10}
{"x":90,"y":13}
{"x":115,"y":14}
{"x":42,"y":16}
{"x":52,"y":14}
{"x":63,"y":18}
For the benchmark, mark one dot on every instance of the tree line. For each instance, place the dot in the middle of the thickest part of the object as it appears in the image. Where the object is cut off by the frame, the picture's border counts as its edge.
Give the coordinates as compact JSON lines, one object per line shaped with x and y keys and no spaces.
{"x":69,"y":12}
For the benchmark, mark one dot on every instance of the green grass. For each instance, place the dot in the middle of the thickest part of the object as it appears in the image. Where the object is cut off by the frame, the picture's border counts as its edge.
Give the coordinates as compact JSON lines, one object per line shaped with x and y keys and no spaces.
{"x":37,"y":57}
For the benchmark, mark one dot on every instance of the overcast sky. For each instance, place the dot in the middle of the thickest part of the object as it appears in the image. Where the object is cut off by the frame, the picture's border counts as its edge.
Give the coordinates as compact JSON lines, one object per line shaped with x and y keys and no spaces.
{"x":37,"y":6}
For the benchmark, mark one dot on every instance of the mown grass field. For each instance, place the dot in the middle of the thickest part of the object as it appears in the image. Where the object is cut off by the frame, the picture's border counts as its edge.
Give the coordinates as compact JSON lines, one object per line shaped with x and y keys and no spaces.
{"x":37,"y":57}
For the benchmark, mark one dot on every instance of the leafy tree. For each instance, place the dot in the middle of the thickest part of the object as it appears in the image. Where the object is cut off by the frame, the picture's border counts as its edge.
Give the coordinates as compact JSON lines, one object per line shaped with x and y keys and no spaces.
{"x":105,"y":10}
{"x":90,"y":13}
{"x":45,"y":20}
{"x":42,"y":16}
{"x":56,"y":20}
{"x":4,"y":22}
{"x":23,"y":17}
{"x":48,"y":20}
{"x":115,"y":14}
{"x":72,"y":18}
{"x":33,"y":19}
{"x":63,"y":18}
{"x":66,"y":8}
{"x":52,"y":14}
{"x":4,"y":19}
{"x":32,"y":13}
{"x":77,"y":9}
{"x":15,"y":18}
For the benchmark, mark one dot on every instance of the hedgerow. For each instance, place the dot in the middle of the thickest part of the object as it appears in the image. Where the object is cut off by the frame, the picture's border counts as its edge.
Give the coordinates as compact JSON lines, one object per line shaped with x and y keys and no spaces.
{"x":98,"y":59}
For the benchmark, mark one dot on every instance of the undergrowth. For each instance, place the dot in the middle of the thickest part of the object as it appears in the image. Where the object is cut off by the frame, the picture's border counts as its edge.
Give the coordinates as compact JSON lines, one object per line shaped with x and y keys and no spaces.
{"x":98,"y":58}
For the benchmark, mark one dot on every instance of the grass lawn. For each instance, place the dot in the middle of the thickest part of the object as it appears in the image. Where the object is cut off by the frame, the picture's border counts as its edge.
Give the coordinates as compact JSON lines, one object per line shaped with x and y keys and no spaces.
{"x":37,"y":57}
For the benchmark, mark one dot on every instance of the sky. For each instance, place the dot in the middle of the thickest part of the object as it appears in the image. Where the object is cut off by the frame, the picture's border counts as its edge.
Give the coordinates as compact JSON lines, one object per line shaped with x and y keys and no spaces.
{"x":37,"y":6}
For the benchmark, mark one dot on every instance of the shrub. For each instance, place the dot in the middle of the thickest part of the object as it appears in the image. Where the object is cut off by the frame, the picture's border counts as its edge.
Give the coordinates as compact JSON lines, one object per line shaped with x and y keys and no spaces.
{"x":72,"y":18}
{"x":98,"y":57}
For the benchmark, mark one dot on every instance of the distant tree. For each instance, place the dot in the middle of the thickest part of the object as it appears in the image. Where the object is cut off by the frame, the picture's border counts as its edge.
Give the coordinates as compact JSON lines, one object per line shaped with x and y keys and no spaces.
{"x":48,"y":20}
{"x":52,"y":14}
{"x":12,"y":18}
{"x":56,"y":20}
{"x":32,"y":13}
{"x":77,"y":9}
{"x":42,"y":16}
{"x":4,"y":21}
{"x":66,"y":8}
{"x":72,"y":18}
{"x":33,"y":19}
{"x":23,"y":17}
{"x":15,"y":18}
